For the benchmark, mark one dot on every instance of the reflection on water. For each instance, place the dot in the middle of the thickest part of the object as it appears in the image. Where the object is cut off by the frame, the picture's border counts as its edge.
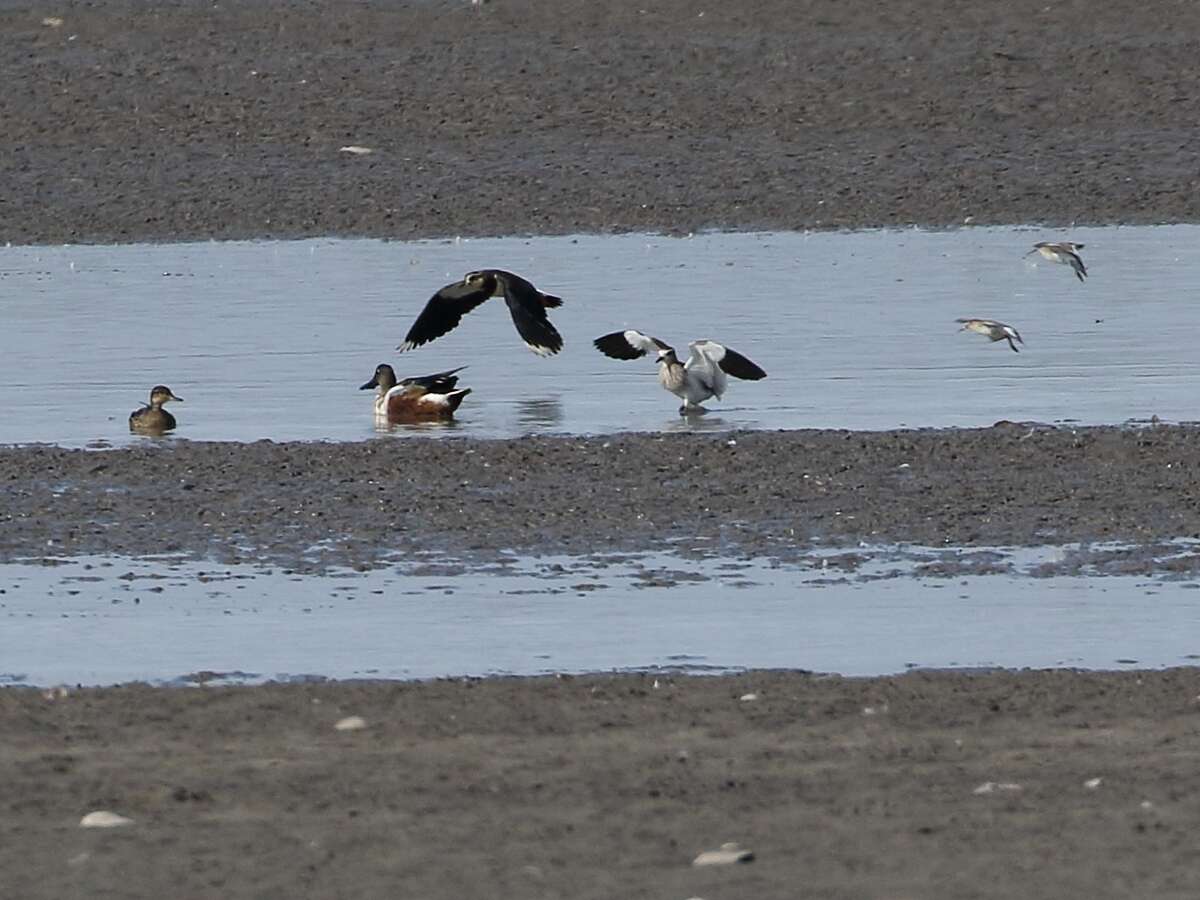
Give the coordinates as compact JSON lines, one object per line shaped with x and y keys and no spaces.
{"x":855,"y":330}
{"x":423,"y":426}
{"x":546,"y":413}
{"x":99,"y":621}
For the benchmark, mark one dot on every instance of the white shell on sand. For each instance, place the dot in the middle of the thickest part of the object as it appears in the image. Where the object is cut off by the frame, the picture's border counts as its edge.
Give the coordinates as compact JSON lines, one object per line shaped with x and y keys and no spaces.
{"x":355,"y":150}
{"x":102,"y":818}
{"x":351,"y":723}
{"x":990,"y":787}
{"x":748,"y":698}
{"x":1092,"y":783}
{"x":728,"y":855}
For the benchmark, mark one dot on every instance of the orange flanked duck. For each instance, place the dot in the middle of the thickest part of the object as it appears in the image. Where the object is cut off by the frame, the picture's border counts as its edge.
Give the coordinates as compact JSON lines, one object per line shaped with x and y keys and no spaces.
{"x":415,"y":399}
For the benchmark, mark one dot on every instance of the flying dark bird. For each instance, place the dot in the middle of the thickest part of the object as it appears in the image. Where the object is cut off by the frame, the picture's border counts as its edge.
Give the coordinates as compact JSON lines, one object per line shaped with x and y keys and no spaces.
{"x":420,"y":397}
{"x":1064,"y":252}
{"x":992,"y":330}
{"x":526,"y":304}
{"x":701,"y":377}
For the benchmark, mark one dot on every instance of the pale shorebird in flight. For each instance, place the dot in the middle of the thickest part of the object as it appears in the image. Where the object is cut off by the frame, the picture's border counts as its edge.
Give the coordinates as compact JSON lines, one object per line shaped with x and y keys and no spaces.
{"x":992,"y":330}
{"x":694,"y":381}
{"x":526,"y":304}
{"x":1063,"y":252}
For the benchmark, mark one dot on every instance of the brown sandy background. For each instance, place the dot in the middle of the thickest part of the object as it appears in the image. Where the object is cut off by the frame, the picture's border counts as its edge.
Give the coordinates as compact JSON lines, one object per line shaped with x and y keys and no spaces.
{"x":199,"y":120}
{"x":185,"y":120}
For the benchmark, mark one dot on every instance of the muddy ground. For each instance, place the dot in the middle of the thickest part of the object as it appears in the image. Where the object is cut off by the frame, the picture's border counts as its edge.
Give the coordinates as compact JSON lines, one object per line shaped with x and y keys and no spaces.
{"x":126,"y":121}
{"x":924,"y":785}
{"x":226,"y":120}
{"x":309,"y":506}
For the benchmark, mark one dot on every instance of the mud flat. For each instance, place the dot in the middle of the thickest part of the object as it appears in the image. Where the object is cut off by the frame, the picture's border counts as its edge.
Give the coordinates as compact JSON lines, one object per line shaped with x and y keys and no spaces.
{"x":186,"y":121}
{"x":313,"y":505}
{"x":198,"y":121}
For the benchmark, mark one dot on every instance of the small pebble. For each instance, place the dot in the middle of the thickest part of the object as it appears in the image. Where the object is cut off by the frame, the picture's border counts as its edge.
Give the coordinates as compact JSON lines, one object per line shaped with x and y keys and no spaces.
{"x":351,"y":723}
{"x":1092,"y":783}
{"x":748,"y":698}
{"x":990,"y":787}
{"x":355,"y":150}
{"x":102,"y":818}
{"x":729,"y":854}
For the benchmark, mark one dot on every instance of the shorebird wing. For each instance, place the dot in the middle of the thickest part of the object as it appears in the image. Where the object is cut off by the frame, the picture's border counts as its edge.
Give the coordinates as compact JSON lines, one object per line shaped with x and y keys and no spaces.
{"x":439,"y":383}
{"x":527,"y":306}
{"x":628,"y":344}
{"x":442,"y":313}
{"x":1076,"y":263}
{"x":730,"y":361}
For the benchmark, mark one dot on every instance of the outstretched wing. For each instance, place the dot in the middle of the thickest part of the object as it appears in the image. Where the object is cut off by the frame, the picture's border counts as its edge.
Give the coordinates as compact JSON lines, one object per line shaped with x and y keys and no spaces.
{"x":527,"y":306}
{"x":730,"y":361}
{"x":440,"y":383}
{"x":628,"y":344}
{"x":443,"y":312}
{"x":1077,"y":263}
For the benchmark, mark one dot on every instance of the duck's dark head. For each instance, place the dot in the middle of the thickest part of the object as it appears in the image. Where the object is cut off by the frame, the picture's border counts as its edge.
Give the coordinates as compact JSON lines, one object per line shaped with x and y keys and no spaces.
{"x":160,"y":394}
{"x":384,"y":378}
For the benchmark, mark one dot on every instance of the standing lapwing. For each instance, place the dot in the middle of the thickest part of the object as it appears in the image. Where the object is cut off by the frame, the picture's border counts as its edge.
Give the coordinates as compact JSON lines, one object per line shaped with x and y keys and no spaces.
{"x":992,"y":330}
{"x":526,"y":304}
{"x":1064,"y":252}
{"x":701,"y":377}
{"x":421,"y":397}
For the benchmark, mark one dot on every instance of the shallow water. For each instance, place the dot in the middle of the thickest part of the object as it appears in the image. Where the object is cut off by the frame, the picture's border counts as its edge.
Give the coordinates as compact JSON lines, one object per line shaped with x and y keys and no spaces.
{"x":102,"y":621}
{"x":856,"y":330}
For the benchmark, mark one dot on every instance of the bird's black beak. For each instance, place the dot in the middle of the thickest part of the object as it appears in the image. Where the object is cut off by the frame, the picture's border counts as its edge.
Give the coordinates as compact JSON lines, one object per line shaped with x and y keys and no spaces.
{"x":373,"y":383}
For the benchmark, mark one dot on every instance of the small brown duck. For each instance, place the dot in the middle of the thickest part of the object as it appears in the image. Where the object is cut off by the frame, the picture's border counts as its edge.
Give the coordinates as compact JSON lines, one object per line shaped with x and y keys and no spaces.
{"x":526,"y":304}
{"x":992,"y":330}
{"x":421,"y":397}
{"x":1064,"y":252}
{"x":152,"y":418}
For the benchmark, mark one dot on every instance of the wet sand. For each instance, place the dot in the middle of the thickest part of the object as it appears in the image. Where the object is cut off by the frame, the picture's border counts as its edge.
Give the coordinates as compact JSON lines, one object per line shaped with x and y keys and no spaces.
{"x":309,"y":506}
{"x":604,"y":787}
{"x":191,"y":121}
{"x":183,"y":121}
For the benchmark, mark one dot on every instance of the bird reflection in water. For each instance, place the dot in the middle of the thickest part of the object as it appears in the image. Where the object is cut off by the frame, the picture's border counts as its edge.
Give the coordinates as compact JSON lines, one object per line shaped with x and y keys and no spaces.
{"x":545,"y":412}
{"x":429,"y":426}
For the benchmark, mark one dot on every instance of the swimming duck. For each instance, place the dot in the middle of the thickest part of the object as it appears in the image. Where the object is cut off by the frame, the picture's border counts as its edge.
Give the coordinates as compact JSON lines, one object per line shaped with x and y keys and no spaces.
{"x":421,"y":397}
{"x":152,"y":418}
{"x":526,"y":304}
{"x":992,"y":330}
{"x":701,"y":377}
{"x":1064,"y":252}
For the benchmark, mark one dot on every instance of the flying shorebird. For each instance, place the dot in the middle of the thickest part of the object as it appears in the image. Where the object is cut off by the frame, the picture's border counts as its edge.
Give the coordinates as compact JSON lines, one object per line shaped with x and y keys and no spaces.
{"x":526,"y":304}
{"x":992,"y":330}
{"x":420,"y":397}
{"x":1064,"y":252}
{"x":701,"y":377}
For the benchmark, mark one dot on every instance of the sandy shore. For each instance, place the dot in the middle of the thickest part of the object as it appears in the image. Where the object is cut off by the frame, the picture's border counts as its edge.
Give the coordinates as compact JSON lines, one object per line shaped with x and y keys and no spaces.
{"x":178,"y":121}
{"x":780,"y":494}
{"x":925,"y":785}
{"x":197,"y":121}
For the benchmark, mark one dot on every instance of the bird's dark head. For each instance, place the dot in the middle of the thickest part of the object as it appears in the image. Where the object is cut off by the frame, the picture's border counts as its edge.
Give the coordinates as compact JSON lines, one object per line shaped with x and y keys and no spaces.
{"x":483,"y":280}
{"x":160,"y":394}
{"x":384,"y":377}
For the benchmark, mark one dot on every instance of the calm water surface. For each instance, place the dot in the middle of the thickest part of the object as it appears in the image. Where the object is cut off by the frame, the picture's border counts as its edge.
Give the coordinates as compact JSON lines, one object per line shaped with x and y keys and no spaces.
{"x":856,"y":330}
{"x":101,"y":621}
